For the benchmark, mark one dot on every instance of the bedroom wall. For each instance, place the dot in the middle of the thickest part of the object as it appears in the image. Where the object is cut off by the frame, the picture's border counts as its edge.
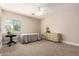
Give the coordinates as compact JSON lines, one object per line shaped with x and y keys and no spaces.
{"x":28,"y":24}
{"x":64,"y":19}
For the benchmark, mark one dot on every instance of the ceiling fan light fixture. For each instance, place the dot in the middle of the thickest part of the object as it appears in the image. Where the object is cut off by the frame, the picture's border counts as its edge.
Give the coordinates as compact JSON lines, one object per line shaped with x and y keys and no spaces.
{"x":38,"y":12}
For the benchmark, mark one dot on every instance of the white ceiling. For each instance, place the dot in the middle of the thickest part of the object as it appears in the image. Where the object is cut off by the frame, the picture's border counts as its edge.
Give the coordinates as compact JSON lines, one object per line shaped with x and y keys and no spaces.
{"x":28,"y":8}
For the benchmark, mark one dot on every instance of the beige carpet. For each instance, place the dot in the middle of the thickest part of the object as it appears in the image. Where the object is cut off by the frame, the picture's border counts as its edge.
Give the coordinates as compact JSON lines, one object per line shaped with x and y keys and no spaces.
{"x":40,"y":48}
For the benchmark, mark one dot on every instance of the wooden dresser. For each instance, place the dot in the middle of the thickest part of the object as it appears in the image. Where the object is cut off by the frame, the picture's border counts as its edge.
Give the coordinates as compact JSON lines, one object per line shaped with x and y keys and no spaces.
{"x":55,"y":37}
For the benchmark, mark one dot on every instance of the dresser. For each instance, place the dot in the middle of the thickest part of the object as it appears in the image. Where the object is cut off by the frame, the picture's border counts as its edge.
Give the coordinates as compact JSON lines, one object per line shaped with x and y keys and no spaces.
{"x":55,"y":37}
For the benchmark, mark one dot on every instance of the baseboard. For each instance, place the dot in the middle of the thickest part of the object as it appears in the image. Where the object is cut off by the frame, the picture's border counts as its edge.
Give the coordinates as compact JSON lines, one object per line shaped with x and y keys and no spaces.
{"x":71,"y":43}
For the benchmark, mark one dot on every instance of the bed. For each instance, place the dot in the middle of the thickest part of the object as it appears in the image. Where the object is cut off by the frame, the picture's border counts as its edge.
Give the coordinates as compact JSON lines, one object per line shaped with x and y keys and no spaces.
{"x":30,"y":37}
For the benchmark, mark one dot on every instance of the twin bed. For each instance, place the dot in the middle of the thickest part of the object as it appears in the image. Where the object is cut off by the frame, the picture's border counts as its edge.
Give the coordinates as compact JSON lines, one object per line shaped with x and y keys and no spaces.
{"x":30,"y":37}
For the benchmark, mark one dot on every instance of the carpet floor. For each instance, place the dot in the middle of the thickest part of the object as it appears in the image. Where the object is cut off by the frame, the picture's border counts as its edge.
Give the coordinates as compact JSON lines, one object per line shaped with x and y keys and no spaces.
{"x":40,"y":48}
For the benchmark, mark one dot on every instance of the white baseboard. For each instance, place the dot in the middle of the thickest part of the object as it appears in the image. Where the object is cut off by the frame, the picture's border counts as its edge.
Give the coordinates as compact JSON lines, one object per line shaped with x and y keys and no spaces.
{"x":71,"y":43}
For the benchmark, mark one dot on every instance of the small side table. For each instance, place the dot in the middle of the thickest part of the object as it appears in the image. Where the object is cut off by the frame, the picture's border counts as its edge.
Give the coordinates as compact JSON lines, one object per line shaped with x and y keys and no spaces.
{"x":11,"y":39}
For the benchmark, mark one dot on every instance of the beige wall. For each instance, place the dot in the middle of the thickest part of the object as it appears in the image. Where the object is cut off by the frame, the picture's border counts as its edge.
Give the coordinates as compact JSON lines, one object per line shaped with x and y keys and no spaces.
{"x":65,"y":20}
{"x":28,"y":24}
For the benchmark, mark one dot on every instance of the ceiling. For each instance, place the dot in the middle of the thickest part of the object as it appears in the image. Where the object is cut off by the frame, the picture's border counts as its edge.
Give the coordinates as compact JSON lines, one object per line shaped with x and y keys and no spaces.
{"x":29,"y":8}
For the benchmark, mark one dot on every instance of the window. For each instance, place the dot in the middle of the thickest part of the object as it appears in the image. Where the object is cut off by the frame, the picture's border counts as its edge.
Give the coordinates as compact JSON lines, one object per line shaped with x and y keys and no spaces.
{"x":12,"y":25}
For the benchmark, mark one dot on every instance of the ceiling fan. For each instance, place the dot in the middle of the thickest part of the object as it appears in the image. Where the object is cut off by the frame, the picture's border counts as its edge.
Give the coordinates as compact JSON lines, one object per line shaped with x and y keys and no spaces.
{"x":39,"y":11}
